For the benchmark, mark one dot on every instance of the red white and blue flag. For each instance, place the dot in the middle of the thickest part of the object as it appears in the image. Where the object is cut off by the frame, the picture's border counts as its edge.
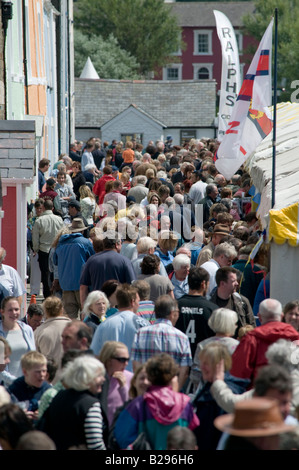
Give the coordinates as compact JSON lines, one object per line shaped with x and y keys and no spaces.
{"x":251,"y":119}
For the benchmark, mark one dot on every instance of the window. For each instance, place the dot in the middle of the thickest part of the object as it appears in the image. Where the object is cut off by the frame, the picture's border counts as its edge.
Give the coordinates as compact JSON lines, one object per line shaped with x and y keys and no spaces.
{"x":202,"y":71}
{"x":239,"y":39}
{"x":126,"y":137}
{"x":172,"y":72}
{"x":187,"y":135}
{"x":202,"y":42}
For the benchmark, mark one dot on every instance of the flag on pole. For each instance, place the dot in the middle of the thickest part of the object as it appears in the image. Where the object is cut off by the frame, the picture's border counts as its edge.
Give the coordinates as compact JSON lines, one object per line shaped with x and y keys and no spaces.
{"x":230,"y":74}
{"x":251,"y":119}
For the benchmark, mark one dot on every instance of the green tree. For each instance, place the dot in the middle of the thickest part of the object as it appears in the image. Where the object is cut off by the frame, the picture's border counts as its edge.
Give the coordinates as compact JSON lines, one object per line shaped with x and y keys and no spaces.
{"x":145,"y":28}
{"x":109,"y":60}
{"x":288,"y":31}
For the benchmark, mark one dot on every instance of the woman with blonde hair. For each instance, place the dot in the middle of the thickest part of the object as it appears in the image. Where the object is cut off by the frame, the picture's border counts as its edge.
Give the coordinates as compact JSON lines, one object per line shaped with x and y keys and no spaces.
{"x":87,"y":203}
{"x":115,"y":357}
{"x":207,"y":409}
{"x":167,"y":244}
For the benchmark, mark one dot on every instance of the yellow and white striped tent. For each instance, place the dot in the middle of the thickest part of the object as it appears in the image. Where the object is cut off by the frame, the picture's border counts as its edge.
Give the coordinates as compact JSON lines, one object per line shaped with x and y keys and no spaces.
{"x":281,"y":221}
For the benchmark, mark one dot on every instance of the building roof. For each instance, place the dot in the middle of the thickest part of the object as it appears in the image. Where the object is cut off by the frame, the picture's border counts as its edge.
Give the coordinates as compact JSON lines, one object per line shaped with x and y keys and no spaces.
{"x":200,"y":14}
{"x":185,"y":103}
{"x":140,"y":110}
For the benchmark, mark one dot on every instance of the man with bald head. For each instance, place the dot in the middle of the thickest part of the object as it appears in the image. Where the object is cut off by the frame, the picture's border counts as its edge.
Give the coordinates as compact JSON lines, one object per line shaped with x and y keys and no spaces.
{"x":250,"y":353}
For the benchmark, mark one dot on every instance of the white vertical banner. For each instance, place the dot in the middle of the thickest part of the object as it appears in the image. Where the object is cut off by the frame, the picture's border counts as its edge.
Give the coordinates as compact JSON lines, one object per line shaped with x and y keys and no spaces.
{"x":230,"y":74}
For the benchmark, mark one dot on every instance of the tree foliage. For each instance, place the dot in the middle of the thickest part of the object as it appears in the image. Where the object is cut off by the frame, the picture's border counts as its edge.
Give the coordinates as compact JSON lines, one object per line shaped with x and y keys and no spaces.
{"x":145,"y":28}
{"x":109,"y":60}
{"x":288,"y":32}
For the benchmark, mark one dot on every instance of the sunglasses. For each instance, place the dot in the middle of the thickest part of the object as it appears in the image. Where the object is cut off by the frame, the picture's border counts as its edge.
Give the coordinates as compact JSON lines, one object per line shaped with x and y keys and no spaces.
{"x":121,"y":359}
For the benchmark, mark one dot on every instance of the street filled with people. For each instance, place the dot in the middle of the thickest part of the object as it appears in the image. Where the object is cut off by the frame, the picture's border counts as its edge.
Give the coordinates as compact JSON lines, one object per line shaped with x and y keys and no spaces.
{"x":156,"y":328}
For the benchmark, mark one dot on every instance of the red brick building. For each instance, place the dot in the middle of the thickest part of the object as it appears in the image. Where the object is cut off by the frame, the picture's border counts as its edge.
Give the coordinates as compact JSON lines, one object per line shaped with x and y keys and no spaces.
{"x":202,"y":57}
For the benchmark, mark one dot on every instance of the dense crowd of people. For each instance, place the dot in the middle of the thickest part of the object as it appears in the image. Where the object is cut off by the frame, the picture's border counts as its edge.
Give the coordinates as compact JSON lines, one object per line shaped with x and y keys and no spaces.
{"x":157,"y":330}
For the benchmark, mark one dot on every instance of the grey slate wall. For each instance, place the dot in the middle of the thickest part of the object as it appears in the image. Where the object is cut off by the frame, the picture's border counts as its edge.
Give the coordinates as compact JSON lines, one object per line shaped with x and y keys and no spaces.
{"x":17,"y":149}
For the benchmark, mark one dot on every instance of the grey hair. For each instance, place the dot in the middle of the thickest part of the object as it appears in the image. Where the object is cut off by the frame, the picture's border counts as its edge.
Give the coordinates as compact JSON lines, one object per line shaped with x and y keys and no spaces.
{"x":93,"y":297}
{"x":144,"y":244}
{"x":180,"y":260}
{"x":178,"y":198}
{"x":283,"y":353}
{"x":225,"y":249}
{"x":90,"y":166}
{"x":270,"y":309}
{"x":80,"y":373}
{"x":223,"y":320}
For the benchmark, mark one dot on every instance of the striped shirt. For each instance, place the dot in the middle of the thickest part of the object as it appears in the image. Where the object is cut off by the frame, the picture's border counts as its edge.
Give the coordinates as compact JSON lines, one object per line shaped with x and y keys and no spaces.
{"x":93,"y":428}
{"x":146,"y":310}
{"x":161,"y":337}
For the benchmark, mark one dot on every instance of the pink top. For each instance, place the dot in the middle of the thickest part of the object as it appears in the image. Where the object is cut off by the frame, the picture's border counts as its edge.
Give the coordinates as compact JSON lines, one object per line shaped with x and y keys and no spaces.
{"x":117,"y":395}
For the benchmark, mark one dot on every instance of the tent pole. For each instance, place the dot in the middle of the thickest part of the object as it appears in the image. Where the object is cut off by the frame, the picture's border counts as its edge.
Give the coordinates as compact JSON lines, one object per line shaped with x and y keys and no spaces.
{"x":274,"y":112}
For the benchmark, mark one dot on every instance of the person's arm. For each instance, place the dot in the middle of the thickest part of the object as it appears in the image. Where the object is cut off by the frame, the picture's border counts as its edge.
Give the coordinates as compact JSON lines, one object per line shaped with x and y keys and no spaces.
{"x":222,"y":394}
{"x":183,"y":375}
{"x":83,"y":294}
{"x":93,"y":428}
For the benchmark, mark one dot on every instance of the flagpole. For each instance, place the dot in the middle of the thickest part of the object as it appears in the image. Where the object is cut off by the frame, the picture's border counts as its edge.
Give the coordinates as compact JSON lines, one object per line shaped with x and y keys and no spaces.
{"x":274,"y":110}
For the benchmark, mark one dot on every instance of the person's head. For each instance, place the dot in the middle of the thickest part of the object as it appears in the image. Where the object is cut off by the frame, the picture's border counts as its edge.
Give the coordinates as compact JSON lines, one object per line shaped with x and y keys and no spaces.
{"x":74,"y":207}
{"x":143,"y":288}
{"x":281,"y":353}
{"x":274,"y":381}
{"x":153,"y":198}
{"x":61,"y":177}
{"x":270,"y":310}
{"x":223,"y":321}
{"x":181,"y":438}
{"x":35,"y":440}
{"x":39,"y":206}
{"x":96,"y":303}
{"x":76,"y":167}
{"x":5,"y":352}
{"x":109,"y":288}
{"x":112,"y":241}
{"x":210,"y":356}
{"x":212,"y":191}
{"x":48,"y":205}
{"x":257,"y":420}
{"x":146,"y":245}
{"x":127,"y":297}
{"x":219,"y":232}
{"x":44,"y":165}
{"x":139,"y":382}
{"x":243,"y":330}
{"x":52,"y":367}
{"x":150,"y":264}
{"x":53,"y":307}
{"x":161,"y":369}
{"x":167,"y":307}
{"x":84,"y":373}
{"x":13,"y":424}
{"x":291,"y":314}
{"x":227,"y":280}
{"x":10,"y":312}
{"x":34,"y":315}
{"x":198,"y":280}
{"x":167,"y":241}
{"x":34,"y":368}
{"x":85,"y":191}
{"x":115,"y":356}
{"x":181,"y":265}
{"x":76,"y":335}
{"x":224,"y":254}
